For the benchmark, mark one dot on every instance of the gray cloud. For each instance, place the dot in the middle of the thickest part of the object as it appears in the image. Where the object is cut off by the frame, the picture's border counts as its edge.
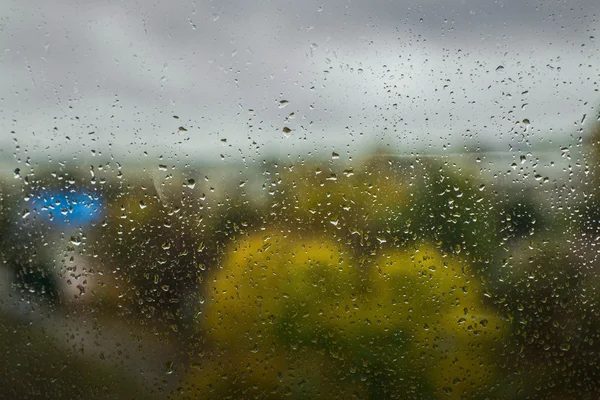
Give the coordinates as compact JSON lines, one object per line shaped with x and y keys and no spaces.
{"x":407,"y":74}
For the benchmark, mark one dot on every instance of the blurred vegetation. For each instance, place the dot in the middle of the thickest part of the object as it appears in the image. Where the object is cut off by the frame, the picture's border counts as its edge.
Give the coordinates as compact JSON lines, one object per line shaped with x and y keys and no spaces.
{"x":405,"y":321}
{"x":35,"y":366}
{"x":386,"y":277}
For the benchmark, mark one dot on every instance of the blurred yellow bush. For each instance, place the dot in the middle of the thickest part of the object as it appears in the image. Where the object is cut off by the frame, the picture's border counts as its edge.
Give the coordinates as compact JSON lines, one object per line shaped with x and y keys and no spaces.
{"x":281,"y":301}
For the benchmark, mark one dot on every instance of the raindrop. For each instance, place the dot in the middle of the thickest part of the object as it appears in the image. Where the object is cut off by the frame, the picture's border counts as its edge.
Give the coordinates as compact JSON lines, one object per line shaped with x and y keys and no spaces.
{"x":169,"y":368}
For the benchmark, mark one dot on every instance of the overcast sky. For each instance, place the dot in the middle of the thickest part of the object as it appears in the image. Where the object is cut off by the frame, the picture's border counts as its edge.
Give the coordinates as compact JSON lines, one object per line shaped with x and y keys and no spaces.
{"x":107,"y":77}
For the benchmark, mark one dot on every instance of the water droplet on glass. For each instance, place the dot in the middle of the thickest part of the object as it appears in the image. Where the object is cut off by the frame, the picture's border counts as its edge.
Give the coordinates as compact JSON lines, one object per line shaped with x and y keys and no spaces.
{"x":169,"y":368}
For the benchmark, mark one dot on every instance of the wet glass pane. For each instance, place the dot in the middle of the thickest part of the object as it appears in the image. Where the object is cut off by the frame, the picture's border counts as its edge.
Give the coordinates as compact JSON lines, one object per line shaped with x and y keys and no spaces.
{"x":353,"y":200}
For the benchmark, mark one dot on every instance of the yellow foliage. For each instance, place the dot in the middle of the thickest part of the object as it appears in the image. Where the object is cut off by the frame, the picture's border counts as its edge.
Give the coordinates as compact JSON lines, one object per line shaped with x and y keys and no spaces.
{"x":269,"y":276}
{"x":350,"y":197}
{"x":278,"y":295}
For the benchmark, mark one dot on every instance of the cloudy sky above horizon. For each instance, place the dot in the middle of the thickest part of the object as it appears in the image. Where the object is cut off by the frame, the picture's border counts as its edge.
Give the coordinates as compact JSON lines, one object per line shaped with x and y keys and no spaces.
{"x":247,"y":80}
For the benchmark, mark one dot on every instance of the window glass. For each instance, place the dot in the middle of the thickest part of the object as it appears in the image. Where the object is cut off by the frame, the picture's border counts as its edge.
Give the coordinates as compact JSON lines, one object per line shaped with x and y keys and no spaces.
{"x":344,"y":199}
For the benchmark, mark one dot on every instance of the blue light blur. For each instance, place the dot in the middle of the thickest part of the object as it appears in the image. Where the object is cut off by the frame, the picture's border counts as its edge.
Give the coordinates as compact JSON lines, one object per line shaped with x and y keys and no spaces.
{"x":68,"y":208}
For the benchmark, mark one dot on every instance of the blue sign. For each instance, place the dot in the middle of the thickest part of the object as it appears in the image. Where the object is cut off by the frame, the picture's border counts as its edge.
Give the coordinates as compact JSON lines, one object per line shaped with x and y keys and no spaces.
{"x":72,"y":207}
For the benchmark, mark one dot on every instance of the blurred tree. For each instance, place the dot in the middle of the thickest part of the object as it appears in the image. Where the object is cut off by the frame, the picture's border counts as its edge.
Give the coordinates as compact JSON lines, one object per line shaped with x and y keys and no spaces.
{"x":548,"y":290}
{"x":453,"y":209}
{"x":415,"y":323}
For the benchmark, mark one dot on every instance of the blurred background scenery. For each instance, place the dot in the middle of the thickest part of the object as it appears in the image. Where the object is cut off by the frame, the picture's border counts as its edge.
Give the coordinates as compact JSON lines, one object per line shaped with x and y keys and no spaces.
{"x":371,"y":200}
